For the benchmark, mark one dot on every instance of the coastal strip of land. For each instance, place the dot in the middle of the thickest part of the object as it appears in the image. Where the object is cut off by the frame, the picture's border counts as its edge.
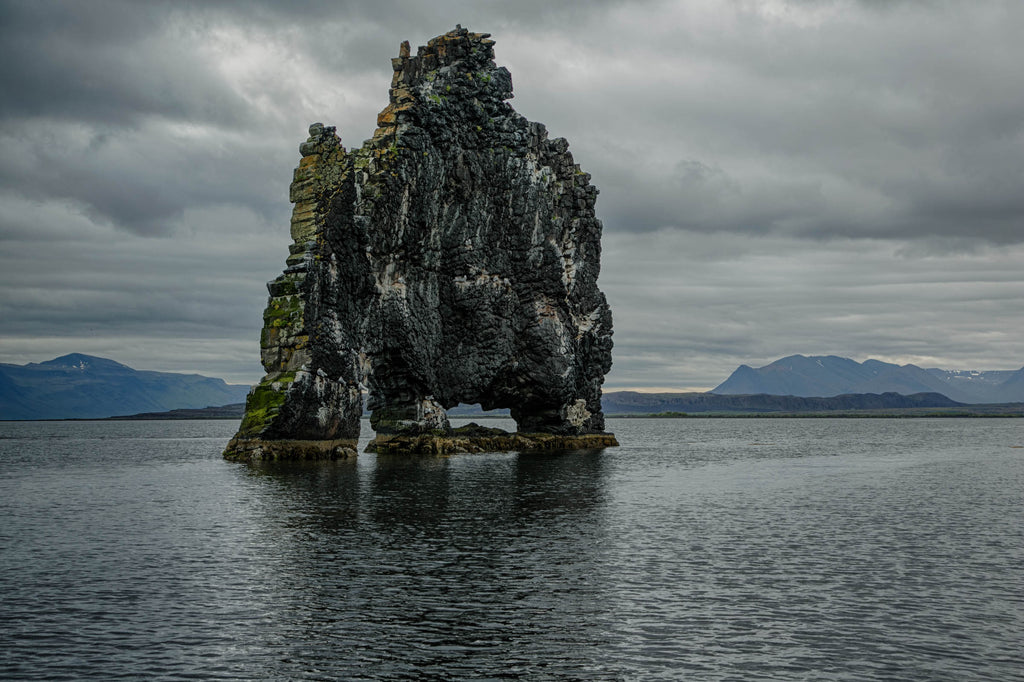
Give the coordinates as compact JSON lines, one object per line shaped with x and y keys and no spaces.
{"x":628,"y":404}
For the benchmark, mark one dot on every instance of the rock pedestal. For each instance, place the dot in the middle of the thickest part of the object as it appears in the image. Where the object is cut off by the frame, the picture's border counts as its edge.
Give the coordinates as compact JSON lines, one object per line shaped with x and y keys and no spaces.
{"x":453,"y":258}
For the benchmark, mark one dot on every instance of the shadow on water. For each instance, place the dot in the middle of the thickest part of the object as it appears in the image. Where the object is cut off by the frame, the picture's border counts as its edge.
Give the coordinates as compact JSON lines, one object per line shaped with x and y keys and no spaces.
{"x":487,"y":561}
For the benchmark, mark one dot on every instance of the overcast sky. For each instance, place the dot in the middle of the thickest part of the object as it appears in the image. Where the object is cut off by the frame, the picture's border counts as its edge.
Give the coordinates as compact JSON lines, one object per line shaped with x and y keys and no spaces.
{"x":776,"y":177}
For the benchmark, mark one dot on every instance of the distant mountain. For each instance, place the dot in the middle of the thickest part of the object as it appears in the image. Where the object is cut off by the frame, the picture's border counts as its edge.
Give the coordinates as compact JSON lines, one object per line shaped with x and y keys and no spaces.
{"x":824,"y":376}
{"x":81,"y":386}
{"x":631,"y":402}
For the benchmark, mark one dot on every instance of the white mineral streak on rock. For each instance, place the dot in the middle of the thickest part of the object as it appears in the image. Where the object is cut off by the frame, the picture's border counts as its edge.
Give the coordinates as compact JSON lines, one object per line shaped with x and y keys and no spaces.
{"x":482,"y":278}
{"x":390,"y":282}
{"x":323,"y":415}
{"x":576,"y":413}
{"x":547,"y":315}
{"x":431,"y":415}
{"x":587,"y":323}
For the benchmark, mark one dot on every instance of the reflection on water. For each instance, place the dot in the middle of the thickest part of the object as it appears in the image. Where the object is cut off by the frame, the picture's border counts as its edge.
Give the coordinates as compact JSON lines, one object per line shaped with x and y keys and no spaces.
{"x":466,"y":563}
{"x":700,"y":549}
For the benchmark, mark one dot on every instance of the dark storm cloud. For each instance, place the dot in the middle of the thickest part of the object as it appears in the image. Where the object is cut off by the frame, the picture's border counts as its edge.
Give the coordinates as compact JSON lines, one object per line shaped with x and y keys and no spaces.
{"x":138,"y":180}
{"x":136,"y":111}
{"x":106,"y":63}
{"x":821,"y":119}
{"x":113,"y":105}
{"x":899,"y":122}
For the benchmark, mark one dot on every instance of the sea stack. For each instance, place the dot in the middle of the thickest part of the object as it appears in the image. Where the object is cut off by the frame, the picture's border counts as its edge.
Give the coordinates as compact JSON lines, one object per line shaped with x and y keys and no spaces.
{"x":452,"y":258}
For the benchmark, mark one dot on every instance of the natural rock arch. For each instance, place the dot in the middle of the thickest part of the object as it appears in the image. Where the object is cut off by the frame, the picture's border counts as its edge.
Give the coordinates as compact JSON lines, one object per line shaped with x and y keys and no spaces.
{"x":453,"y":258}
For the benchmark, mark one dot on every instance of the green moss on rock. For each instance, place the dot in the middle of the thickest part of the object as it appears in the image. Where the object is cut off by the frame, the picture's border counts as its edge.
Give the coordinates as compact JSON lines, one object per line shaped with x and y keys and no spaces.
{"x":264,"y":402}
{"x":285,"y":311}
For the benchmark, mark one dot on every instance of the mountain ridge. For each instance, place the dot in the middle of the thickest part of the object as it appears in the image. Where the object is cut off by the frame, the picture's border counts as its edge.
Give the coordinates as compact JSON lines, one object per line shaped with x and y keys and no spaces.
{"x":830,"y":375}
{"x":632,"y":402}
{"x":79,"y":386}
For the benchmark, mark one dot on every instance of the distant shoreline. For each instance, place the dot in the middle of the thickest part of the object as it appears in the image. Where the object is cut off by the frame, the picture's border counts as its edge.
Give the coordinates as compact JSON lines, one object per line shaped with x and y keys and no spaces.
{"x":909,"y":414}
{"x":682,"y":406}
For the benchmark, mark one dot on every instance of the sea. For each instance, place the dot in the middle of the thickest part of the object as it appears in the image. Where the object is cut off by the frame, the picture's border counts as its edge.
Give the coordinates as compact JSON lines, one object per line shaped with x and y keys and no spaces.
{"x":701,"y":549}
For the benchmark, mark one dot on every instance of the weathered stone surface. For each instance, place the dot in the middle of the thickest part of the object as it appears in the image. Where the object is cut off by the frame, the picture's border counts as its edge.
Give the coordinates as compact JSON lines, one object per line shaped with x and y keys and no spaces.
{"x":453,"y":258}
{"x":475,"y":438}
{"x":259,"y":450}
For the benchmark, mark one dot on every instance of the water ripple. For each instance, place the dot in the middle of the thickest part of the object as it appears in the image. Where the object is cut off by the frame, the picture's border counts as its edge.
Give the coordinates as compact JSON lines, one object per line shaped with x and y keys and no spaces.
{"x":701,"y":549}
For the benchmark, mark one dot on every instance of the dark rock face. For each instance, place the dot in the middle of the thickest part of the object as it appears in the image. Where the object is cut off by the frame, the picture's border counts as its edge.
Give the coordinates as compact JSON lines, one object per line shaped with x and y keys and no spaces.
{"x":453,"y":258}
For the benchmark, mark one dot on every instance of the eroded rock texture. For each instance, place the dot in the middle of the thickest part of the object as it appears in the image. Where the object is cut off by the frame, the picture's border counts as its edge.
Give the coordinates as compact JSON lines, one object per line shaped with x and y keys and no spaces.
{"x":453,"y":258}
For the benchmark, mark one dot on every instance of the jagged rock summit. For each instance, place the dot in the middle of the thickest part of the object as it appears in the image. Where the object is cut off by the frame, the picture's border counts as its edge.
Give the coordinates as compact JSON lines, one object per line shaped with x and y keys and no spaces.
{"x":453,"y":258}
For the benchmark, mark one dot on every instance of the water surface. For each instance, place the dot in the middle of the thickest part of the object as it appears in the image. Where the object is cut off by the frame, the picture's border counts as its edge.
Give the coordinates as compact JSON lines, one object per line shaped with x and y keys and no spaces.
{"x":700,"y":549}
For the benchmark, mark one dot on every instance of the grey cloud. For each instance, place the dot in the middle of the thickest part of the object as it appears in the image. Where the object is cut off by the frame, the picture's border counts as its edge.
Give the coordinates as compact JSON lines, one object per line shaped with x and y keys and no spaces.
{"x":690,"y":307}
{"x":96,"y":90}
{"x":899,"y":123}
{"x":142,"y":181}
{"x":72,"y":283}
{"x":873,"y":122}
{"x":826,"y":179}
{"x":106,"y":63}
{"x":93,"y":95}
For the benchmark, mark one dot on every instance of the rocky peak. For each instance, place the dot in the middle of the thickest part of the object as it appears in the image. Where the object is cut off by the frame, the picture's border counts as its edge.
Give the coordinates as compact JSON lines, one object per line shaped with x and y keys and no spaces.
{"x":452,"y":258}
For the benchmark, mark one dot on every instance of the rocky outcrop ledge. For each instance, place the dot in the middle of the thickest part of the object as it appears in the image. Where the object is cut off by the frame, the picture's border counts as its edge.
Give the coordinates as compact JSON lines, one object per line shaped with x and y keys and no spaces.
{"x":452,"y":258}
{"x":476,"y":438}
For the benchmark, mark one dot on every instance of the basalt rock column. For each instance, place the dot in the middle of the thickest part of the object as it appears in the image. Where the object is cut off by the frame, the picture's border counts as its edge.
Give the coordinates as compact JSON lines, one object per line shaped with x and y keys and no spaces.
{"x":453,"y":258}
{"x":309,"y":403}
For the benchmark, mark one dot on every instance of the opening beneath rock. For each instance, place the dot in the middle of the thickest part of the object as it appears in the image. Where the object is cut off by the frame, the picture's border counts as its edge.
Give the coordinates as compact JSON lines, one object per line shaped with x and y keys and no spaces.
{"x":467,"y":413}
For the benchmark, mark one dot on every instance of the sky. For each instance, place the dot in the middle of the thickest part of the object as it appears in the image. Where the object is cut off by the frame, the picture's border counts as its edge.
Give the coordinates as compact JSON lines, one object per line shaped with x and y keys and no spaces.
{"x":777,"y":177}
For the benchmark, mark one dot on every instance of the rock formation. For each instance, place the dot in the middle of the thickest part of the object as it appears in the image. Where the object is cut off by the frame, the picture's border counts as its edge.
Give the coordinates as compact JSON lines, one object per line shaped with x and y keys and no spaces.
{"x":453,"y":258}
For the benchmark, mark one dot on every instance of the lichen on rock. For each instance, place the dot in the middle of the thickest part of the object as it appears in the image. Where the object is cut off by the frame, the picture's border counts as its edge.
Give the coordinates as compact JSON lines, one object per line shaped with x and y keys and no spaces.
{"x":452,"y":258}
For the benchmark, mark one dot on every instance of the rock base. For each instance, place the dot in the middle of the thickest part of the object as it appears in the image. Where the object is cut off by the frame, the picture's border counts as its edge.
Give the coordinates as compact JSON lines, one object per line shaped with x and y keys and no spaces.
{"x":474,"y":438}
{"x":258,"y":450}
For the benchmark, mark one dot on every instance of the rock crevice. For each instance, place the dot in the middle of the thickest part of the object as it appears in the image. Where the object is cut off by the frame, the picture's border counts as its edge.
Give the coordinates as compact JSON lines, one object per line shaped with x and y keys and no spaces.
{"x":452,"y":258}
